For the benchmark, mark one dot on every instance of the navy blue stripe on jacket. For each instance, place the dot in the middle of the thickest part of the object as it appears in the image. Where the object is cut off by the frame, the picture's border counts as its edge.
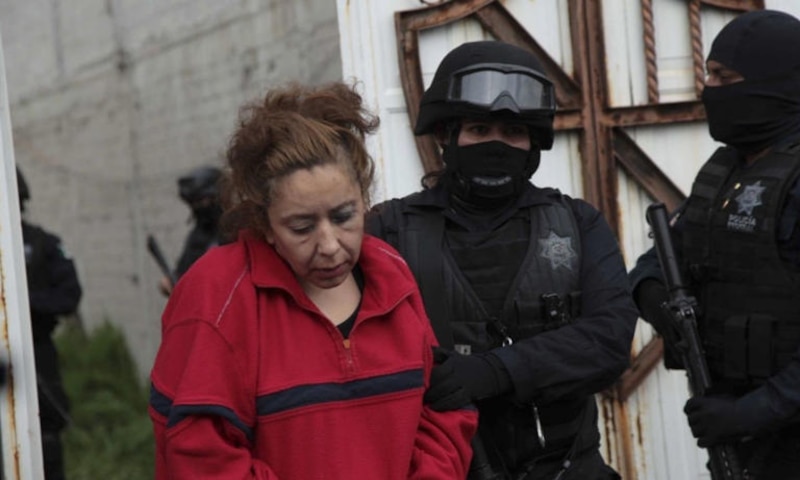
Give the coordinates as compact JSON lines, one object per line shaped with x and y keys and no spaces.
{"x":314,"y":394}
{"x":175,"y":413}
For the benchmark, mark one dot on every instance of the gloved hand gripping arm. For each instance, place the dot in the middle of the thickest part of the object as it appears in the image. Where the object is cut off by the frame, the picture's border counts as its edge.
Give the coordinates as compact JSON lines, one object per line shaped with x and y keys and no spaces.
{"x":457,"y":380}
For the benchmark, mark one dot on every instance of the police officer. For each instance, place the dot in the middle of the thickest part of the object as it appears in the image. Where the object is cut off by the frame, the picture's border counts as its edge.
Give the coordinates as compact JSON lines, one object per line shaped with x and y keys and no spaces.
{"x":739,"y":241}
{"x":525,"y":286}
{"x":53,"y":291}
{"x":199,"y":189}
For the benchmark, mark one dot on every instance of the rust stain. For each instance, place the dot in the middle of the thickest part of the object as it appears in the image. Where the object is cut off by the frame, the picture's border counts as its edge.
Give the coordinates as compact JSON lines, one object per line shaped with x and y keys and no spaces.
{"x":11,"y":421}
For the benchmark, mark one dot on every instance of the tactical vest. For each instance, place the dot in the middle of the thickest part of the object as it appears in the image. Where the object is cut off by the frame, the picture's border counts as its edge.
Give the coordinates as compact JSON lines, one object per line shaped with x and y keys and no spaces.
{"x":750,"y":300}
{"x":543,"y":296}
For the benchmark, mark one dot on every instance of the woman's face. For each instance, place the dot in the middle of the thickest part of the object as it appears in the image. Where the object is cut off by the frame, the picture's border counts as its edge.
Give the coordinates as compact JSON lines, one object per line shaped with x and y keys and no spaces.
{"x":317,"y":223}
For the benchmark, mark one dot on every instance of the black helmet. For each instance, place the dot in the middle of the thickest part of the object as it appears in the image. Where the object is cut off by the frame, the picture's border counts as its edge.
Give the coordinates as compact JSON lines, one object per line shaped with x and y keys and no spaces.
{"x":200,"y":183}
{"x":22,"y":188}
{"x":490,"y":77}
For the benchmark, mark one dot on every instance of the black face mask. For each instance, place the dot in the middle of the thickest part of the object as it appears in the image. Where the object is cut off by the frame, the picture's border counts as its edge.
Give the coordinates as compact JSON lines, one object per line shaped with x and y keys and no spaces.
{"x":751,"y":116}
{"x":488,"y":173}
{"x":763,"y":109}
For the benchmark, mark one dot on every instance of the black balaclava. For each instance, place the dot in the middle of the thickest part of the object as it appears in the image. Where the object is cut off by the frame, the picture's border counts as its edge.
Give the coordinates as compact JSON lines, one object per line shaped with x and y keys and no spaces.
{"x":764,"y":47}
{"x":487,"y":175}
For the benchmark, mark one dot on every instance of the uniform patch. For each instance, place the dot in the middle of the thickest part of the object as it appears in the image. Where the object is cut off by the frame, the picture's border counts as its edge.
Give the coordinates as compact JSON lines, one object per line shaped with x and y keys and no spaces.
{"x":558,"y":250}
{"x":750,"y":198}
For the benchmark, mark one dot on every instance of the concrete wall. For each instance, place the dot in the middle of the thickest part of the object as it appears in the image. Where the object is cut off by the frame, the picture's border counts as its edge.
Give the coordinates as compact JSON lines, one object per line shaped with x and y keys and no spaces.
{"x":111,"y":100}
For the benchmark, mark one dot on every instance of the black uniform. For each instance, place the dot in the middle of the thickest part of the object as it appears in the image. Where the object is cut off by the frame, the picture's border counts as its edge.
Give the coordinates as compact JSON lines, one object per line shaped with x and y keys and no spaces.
{"x":54,"y":290}
{"x":202,"y":237}
{"x":740,"y":244}
{"x":525,"y":287}
{"x":199,"y":188}
{"x":550,"y":277}
{"x":738,"y":239}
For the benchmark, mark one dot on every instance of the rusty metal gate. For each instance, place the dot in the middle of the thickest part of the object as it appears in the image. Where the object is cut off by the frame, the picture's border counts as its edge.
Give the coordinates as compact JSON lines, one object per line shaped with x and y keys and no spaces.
{"x":619,"y":126}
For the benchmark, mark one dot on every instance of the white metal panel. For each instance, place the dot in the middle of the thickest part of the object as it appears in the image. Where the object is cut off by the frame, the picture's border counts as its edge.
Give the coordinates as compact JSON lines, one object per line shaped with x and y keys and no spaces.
{"x":662,"y":446}
{"x":19,"y":407}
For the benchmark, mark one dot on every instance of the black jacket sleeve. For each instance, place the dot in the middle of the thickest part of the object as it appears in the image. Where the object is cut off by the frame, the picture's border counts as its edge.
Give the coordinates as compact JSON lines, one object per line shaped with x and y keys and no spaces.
{"x":53,"y":286}
{"x":589,"y":354}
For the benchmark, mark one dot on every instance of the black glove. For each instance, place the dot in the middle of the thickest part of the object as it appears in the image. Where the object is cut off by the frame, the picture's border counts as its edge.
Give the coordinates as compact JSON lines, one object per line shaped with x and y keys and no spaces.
{"x":718,"y":419}
{"x":481,"y":375}
{"x":650,"y":294}
{"x":445,"y":391}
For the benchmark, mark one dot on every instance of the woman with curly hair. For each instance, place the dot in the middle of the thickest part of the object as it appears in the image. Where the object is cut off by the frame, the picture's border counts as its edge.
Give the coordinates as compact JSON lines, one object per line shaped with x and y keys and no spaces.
{"x":301,"y":350}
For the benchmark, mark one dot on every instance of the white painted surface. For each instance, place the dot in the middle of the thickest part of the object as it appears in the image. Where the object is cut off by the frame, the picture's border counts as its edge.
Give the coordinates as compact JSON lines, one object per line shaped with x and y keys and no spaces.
{"x":663,"y":448}
{"x":19,"y":406}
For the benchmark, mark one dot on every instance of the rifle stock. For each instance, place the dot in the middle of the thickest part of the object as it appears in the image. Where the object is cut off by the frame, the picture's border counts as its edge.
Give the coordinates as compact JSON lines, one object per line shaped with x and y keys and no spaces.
{"x":158,"y":256}
{"x":723,"y":460}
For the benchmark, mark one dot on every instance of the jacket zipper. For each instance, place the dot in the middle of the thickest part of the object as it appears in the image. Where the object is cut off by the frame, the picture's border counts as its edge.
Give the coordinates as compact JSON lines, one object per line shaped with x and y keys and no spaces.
{"x":348,"y":355}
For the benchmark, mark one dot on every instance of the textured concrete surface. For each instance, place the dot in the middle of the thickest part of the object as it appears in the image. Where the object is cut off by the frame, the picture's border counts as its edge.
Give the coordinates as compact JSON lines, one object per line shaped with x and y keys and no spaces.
{"x":112,"y":100}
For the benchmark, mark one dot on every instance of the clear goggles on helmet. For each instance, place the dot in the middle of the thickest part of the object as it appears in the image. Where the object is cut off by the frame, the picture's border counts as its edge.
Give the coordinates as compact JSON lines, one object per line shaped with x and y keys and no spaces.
{"x":485,"y":83}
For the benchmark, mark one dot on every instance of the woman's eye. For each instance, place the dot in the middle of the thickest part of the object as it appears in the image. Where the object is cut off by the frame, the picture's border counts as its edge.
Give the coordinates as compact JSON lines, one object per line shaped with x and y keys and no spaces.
{"x":301,"y":229}
{"x":342,"y":217}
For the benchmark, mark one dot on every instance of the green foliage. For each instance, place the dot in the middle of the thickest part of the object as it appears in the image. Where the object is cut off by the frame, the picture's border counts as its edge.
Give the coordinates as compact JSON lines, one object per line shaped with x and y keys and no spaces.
{"x":110,"y":436}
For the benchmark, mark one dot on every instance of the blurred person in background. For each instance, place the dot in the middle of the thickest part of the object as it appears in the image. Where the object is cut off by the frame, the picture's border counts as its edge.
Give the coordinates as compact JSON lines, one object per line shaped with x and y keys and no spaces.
{"x":199,"y":189}
{"x":53,"y":291}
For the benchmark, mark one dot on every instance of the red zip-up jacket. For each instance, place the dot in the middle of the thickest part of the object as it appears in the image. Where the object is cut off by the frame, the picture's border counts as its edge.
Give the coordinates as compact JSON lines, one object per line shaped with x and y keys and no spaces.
{"x":251,"y":381}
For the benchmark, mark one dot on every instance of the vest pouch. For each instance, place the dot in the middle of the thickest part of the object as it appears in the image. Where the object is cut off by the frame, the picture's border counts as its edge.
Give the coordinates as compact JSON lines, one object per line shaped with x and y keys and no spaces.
{"x":761,"y":352}
{"x":748,"y":347}
{"x":735,"y":350}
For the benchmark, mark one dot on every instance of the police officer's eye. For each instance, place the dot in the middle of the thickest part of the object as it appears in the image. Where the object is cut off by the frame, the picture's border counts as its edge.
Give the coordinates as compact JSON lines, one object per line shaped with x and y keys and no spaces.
{"x":478,"y":129}
{"x":517,"y":130}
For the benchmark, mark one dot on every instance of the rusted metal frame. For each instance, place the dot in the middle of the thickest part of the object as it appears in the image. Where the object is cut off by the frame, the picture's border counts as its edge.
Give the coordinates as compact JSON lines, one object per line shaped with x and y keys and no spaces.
{"x":599,"y":173}
{"x":408,"y":24}
{"x":738,"y":5}
{"x":498,"y":21}
{"x":664,"y":113}
{"x":644,"y":363}
{"x":568,"y":120}
{"x":645,"y":172}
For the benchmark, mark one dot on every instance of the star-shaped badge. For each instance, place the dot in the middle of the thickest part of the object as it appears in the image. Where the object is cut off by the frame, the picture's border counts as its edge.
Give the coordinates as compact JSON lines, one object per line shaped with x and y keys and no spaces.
{"x":750,"y":198}
{"x":558,"y":250}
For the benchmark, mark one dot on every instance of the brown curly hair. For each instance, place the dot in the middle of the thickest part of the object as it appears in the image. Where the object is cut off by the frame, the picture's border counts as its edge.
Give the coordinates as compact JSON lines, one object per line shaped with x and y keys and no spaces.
{"x":292,"y":128}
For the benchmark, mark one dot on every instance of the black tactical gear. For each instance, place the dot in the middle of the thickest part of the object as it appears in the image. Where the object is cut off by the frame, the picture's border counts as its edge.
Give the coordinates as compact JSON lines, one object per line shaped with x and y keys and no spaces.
{"x":739,"y":241}
{"x":489,"y":77}
{"x":751,"y":307}
{"x":200,"y":183}
{"x":200,"y":190}
{"x":520,"y":283}
{"x":765,"y":107}
{"x":53,"y":290}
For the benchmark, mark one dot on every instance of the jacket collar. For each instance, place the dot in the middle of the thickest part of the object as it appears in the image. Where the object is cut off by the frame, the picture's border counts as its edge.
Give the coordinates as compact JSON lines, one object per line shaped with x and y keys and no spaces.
{"x":387,"y":280}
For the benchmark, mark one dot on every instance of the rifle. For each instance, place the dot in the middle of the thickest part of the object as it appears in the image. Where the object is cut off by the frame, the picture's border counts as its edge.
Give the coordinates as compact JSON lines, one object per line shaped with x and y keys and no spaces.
{"x":723,"y":460}
{"x":480,"y":468}
{"x":158,"y":256}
